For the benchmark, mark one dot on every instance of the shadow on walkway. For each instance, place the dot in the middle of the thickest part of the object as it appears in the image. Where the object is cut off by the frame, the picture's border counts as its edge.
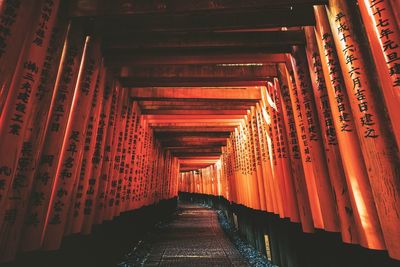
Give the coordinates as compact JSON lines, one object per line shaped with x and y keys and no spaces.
{"x":193,"y":238}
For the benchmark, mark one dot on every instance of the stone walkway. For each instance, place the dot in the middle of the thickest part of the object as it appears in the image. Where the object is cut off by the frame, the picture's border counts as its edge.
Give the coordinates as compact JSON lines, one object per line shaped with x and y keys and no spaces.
{"x":194,"y":238}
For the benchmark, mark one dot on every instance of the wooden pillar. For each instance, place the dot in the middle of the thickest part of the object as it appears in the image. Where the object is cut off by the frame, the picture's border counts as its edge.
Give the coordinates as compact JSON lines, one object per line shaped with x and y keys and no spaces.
{"x":99,"y":155}
{"x":366,"y":218}
{"x":18,"y":19}
{"x":18,"y":196}
{"x":109,"y":150}
{"x":44,"y":179}
{"x":383,"y":34}
{"x":82,"y":183}
{"x":257,"y":159}
{"x":328,"y":133}
{"x":20,"y":101}
{"x":283,"y":156}
{"x":377,"y":145}
{"x":319,"y":171}
{"x":265,"y":161}
{"x":72,"y":149}
{"x":294,"y":152}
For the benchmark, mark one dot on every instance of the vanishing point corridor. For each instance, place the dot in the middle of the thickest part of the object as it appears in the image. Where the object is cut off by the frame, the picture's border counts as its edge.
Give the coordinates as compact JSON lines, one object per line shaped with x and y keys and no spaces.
{"x":194,"y":238}
{"x":122,"y":120}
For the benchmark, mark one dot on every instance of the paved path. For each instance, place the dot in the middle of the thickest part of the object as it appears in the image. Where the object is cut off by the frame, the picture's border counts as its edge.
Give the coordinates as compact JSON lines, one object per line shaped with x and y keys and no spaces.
{"x":194,"y":238}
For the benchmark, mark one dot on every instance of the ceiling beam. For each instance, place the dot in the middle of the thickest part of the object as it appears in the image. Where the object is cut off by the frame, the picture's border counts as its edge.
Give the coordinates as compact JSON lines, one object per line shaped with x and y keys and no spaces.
{"x":193,"y":112}
{"x":130,"y":7}
{"x":165,"y":136}
{"x":195,"y":154}
{"x":196,"y":104}
{"x":202,"y":105}
{"x":190,"y":117}
{"x":118,"y":40}
{"x":196,"y":93}
{"x":188,"y":82}
{"x":243,"y":19}
{"x":209,"y":106}
{"x":197,"y":75}
{"x":260,"y":71}
{"x":193,"y":125}
{"x":120,"y":59}
{"x":190,"y":143}
{"x":223,"y":128}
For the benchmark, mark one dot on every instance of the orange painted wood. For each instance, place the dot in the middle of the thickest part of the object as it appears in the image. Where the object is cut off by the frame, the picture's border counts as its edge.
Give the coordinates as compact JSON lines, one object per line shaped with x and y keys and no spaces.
{"x":18,"y":19}
{"x":366,"y":218}
{"x":242,"y":188}
{"x":132,"y":154}
{"x":329,"y":137}
{"x":116,"y":155}
{"x":109,"y":151}
{"x":395,"y":6}
{"x":23,"y":87}
{"x":384,"y":38}
{"x":294,"y":152}
{"x":246,"y":180}
{"x":44,"y":179}
{"x":124,"y":164}
{"x":18,"y":196}
{"x":136,"y":160}
{"x":72,"y":149}
{"x":314,"y":139}
{"x":299,"y":119}
{"x":278,"y":149}
{"x":252,"y":170}
{"x":99,"y":155}
{"x":265,"y":161}
{"x":82,"y":181}
{"x":278,"y":179}
{"x":257,"y":158}
{"x":283,"y":154}
{"x":378,"y":149}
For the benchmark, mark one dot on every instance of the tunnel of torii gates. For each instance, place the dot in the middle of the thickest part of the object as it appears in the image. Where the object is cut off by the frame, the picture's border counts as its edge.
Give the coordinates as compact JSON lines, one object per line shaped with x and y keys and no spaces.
{"x":288,"y":107}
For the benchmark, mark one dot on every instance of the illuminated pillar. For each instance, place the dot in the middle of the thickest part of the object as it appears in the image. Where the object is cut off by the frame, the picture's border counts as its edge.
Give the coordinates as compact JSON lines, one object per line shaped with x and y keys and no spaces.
{"x":328,"y":133}
{"x":72,"y":149}
{"x":379,"y":151}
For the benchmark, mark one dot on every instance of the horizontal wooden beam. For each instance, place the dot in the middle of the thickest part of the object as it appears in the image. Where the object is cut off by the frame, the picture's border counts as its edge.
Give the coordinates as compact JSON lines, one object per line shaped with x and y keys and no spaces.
{"x":129,"y":7}
{"x":187,"y":82}
{"x":169,"y":136}
{"x":198,"y":160}
{"x":196,"y":93}
{"x":196,"y":75}
{"x":274,"y":40}
{"x":202,"y":105}
{"x":183,"y":121}
{"x":220,"y":57}
{"x":245,"y":19}
{"x":196,"y":103}
{"x":193,"y":112}
{"x":191,"y":143}
{"x":253,"y":72}
{"x":193,"y":125}
{"x":195,"y":150}
{"x":191,"y":117}
{"x":187,"y":155}
{"x":191,"y":139}
{"x":191,"y":168}
{"x":208,"y":106}
{"x":182,"y":128}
